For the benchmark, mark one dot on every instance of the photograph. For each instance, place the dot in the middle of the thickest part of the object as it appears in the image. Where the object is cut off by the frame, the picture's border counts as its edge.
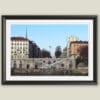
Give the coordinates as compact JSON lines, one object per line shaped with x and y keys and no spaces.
{"x":49,"y":49}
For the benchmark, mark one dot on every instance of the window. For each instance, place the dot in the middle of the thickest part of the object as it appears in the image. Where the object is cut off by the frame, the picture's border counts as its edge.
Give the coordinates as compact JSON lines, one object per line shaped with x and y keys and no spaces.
{"x":12,"y":57}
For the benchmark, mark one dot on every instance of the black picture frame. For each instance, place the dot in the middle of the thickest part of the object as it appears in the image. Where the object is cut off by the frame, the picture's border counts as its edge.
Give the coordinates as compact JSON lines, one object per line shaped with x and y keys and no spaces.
{"x":48,"y":17}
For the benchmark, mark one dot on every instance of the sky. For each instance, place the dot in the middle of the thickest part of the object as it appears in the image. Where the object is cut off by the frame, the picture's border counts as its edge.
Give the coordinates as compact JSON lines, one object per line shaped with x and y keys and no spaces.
{"x":45,"y":35}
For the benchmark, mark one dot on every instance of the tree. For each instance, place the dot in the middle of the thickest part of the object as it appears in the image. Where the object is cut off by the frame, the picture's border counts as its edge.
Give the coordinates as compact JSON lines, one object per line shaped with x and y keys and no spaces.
{"x":45,"y":53}
{"x":58,"y":52}
{"x":84,"y":51}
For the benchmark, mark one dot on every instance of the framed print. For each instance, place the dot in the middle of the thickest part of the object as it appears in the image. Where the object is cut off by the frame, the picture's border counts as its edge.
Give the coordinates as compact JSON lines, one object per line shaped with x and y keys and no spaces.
{"x":49,"y":49}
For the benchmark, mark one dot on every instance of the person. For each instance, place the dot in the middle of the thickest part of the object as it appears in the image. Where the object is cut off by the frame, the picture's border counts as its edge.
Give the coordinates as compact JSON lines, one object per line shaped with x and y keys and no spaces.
{"x":70,"y":67}
{"x":20,"y":66}
{"x":28,"y":66}
{"x":36,"y":66}
{"x":49,"y":62}
{"x":14,"y":67}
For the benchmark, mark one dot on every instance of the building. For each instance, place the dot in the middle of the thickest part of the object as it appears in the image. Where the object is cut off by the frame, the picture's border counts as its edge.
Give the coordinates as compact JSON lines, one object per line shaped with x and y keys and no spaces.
{"x":35,"y":51}
{"x":69,"y":40}
{"x":66,"y":50}
{"x":19,"y":48}
{"x":75,"y":47}
{"x":22,"y":48}
{"x":73,"y":38}
{"x":64,"y":53}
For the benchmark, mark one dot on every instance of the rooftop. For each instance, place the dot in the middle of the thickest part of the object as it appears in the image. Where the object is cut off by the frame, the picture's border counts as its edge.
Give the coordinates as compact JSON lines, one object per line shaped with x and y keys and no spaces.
{"x":79,"y":41}
{"x":19,"y":39}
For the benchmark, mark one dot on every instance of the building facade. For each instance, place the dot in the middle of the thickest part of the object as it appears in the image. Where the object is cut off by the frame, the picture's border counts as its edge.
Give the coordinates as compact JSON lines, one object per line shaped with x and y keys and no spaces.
{"x":69,"y":40}
{"x":34,"y":50}
{"x":75,"y":47}
{"x":64,"y":53}
{"x":22,"y":48}
{"x":19,"y":48}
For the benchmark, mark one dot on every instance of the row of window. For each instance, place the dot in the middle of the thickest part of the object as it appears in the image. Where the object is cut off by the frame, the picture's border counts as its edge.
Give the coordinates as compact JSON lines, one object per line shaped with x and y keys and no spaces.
{"x":24,"y":48}
{"x":19,"y":43}
{"x":18,"y":57}
{"x":24,"y":52}
{"x":79,"y":44}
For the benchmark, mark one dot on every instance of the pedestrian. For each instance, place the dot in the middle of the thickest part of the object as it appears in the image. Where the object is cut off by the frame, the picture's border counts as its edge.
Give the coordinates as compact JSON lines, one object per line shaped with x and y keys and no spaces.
{"x":20,"y":66}
{"x":36,"y":66}
{"x":28,"y":66}
{"x":14,"y":67}
{"x":70,"y":67}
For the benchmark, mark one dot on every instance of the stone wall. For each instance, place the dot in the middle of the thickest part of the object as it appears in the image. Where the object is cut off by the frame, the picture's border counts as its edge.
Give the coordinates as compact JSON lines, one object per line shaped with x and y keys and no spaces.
{"x":44,"y":62}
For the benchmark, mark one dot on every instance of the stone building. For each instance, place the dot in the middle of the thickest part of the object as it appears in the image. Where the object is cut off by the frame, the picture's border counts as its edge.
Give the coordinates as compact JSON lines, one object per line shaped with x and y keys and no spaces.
{"x":22,"y":48}
{"x":69,"y":40}
{"x":64,"y":53}
{"x":75,"y":47}
{"x":66,"y":50}
{"x":19,"y":48}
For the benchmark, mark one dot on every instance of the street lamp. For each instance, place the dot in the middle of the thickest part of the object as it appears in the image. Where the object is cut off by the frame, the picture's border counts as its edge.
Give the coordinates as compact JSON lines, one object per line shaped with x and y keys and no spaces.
{"x":68,"y":42}
{"x":50,"y":49}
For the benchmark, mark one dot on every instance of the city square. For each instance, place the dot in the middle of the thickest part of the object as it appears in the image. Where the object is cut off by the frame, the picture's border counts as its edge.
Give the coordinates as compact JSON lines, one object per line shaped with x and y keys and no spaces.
{"x":31,"y":61}
{"x":37,"y":51}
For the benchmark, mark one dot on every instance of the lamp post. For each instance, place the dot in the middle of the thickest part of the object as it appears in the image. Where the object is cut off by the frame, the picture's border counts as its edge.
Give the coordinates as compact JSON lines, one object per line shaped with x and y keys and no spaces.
{"x":50,"y":49}
{"x":68,"y":42}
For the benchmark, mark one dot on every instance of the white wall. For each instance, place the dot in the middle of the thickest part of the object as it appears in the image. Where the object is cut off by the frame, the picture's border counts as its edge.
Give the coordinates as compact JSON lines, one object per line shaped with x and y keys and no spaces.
{"x":50,"y":7}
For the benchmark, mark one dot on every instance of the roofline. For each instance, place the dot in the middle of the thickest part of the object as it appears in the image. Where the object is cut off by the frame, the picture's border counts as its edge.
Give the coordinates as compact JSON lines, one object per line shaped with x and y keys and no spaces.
{"x":19,"y":38}
{"x":79,"y":42}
